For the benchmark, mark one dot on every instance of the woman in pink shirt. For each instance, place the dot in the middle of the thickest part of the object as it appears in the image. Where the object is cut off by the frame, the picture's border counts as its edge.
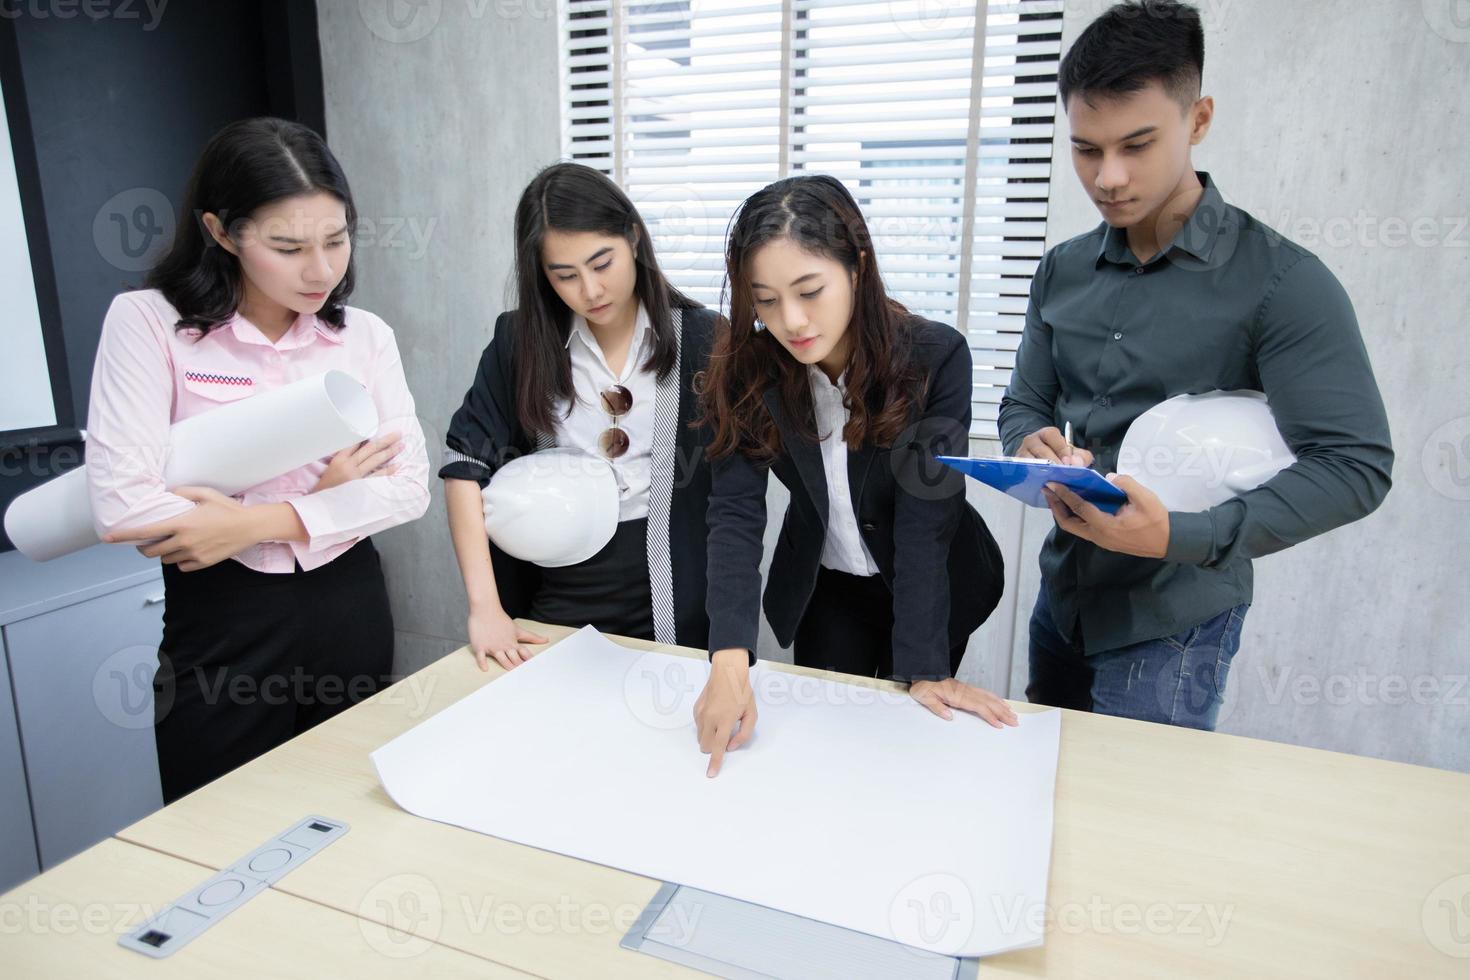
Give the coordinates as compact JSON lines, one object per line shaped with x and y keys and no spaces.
{"x":277,"y":615}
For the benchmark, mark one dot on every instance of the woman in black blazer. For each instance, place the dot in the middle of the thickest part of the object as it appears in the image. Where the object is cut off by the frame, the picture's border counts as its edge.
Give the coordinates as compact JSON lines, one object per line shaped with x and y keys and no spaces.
{"x":882,"y":568}
{"x":596,"y":319}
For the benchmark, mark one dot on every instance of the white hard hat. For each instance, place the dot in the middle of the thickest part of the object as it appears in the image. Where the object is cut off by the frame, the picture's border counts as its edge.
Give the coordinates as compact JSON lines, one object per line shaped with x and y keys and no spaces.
{"x":1196,"y":451}
{"x":555,"y":508}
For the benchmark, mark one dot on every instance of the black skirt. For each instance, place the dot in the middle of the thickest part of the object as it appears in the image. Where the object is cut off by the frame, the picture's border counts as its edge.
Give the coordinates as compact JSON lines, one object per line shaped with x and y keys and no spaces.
{"x":250,"y":660}
{"x":608,"y":591}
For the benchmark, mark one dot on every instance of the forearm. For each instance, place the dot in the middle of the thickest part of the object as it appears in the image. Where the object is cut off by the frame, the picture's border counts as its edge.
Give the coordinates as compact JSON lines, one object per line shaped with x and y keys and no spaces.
{"x":275,"y":522}
{"x":1312,"y":497}
{"x":923,"y":533}
{"x":736,"y":521}
{"x":471,"y":545}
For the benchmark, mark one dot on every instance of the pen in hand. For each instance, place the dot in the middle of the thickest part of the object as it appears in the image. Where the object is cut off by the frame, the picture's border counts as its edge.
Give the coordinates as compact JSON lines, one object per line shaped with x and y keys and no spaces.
{"x":1067,"y":438}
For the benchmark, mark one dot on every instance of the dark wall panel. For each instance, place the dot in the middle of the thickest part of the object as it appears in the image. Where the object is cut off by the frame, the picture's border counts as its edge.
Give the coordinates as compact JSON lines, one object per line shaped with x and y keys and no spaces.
{"x":118,"y":108}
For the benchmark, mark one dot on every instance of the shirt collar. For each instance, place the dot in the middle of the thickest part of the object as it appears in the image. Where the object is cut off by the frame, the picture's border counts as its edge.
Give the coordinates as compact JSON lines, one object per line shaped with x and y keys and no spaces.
{"x":641,"y":331}
{"x":327,"y":332}
{"x":1196,"y":237}
{"x":819,"y":378}
{"x":306,"y":328}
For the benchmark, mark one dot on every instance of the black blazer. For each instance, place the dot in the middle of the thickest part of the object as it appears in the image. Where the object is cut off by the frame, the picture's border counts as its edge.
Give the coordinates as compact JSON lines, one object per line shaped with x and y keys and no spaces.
{"x":931,"y":547}
{"x":486,"y":433}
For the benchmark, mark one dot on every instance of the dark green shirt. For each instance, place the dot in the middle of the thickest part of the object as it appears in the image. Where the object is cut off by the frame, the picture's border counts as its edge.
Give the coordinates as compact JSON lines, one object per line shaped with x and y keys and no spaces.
{"x":1228,"y":304}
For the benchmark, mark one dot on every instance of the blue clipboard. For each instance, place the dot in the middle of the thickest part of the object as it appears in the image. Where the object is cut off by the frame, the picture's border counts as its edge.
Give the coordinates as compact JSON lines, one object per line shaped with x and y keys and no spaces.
{"x":1024,"y":478}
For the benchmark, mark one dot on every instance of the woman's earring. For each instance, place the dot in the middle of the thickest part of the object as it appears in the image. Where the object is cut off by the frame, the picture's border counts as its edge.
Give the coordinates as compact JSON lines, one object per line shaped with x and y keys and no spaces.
{"x":760,"y":325}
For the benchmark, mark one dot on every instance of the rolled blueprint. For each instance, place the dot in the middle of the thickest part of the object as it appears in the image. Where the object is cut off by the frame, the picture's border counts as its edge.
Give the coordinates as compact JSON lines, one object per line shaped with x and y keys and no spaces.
{"x":231,"y":448}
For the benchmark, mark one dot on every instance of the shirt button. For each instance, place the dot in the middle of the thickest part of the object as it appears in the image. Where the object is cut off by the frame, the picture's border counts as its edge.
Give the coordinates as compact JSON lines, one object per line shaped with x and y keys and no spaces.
{"x":1138,"y":271}
{"x":1103,"y":401}
{"x":1117,"y":336}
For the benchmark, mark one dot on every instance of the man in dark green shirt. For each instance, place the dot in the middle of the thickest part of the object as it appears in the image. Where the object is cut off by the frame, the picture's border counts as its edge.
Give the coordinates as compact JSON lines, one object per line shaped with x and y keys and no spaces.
{"x":1176,"y":292}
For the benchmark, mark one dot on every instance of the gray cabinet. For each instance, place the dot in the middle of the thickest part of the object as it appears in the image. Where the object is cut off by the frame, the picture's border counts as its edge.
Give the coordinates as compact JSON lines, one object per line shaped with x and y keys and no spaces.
{"x":18,"y":860}
{"x":81,"y":639}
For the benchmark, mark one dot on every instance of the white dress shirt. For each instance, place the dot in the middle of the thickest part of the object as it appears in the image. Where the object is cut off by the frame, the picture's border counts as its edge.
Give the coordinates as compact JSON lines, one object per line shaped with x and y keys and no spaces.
{"x":582,"y":427}
{"x":843,"y":549}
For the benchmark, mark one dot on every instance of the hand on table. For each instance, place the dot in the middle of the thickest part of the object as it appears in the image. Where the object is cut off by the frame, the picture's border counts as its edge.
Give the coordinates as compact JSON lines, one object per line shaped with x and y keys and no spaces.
{"x":494,"y":634}
{"x":941,"y":696}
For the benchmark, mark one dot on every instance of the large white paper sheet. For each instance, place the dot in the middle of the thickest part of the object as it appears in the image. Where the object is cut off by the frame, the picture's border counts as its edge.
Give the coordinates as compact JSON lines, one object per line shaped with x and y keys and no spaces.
{"x":850,"y":806}
{"x":230,"y":448}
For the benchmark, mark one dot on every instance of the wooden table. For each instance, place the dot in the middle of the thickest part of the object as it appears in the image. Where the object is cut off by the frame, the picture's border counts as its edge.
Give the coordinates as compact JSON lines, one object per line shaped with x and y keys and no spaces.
{"x":66,"y":923}
{"x":1177,"y":854}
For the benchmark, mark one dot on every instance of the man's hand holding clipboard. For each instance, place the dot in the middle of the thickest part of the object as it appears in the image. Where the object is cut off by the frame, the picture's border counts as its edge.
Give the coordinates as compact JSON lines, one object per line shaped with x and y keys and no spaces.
{"x":1116,"y":512}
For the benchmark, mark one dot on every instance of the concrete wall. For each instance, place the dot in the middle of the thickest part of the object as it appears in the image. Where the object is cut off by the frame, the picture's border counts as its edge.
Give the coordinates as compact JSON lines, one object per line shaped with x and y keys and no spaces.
{"x":439,"y":121}
{"x":1331,"y":120}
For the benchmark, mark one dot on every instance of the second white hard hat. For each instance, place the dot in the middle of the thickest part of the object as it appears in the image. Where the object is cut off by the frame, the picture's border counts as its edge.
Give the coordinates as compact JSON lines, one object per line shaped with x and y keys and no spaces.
{"x":1197,"y":451}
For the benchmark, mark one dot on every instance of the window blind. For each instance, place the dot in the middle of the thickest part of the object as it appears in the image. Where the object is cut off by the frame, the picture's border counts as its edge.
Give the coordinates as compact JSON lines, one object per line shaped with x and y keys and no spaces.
{"x":938,"y":116}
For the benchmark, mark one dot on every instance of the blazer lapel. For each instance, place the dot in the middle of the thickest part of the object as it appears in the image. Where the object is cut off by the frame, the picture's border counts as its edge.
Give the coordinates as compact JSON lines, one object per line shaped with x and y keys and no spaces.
{"x":858,"y":464}
{"x":805,"y":454}
{"x":660,"y":489}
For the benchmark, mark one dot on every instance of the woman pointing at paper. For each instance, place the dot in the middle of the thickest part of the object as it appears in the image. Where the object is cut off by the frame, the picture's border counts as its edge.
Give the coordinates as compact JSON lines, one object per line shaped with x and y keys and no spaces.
{"x":276,"y":613}
{"x":881,"y":568}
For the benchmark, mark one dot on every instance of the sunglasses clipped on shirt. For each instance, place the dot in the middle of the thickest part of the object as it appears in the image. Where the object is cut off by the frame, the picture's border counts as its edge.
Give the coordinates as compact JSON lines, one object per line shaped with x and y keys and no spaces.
{"x":616,"y":401}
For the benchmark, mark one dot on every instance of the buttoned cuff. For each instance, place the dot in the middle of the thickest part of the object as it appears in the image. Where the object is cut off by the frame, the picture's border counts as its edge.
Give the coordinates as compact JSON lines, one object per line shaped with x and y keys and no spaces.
{"x":1191,"y":537}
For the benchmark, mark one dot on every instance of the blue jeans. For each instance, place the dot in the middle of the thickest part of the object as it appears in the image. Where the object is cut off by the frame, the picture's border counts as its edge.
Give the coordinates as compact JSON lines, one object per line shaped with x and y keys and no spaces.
{"x":1175,"y":680}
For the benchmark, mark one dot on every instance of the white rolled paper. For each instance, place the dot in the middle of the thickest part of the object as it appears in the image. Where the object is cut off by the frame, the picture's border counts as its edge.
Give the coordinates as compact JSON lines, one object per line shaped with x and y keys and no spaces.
{"x":53,"y":519}
{"x":230,"y":449}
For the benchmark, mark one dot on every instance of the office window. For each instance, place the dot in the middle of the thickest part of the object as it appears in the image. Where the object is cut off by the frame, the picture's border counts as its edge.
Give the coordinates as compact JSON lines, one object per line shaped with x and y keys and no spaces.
{"x":938,"y":117}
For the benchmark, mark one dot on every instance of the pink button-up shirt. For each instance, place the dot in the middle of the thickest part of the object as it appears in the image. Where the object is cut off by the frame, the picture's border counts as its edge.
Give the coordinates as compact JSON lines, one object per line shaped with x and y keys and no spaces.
{"x":149,"y":375}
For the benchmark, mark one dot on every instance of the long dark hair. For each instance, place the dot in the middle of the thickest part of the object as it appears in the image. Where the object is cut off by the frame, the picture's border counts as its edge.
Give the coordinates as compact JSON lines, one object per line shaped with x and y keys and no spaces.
{"x":575,"y":198}
{"x":817,"y":213}
{"x":246,"y":166}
